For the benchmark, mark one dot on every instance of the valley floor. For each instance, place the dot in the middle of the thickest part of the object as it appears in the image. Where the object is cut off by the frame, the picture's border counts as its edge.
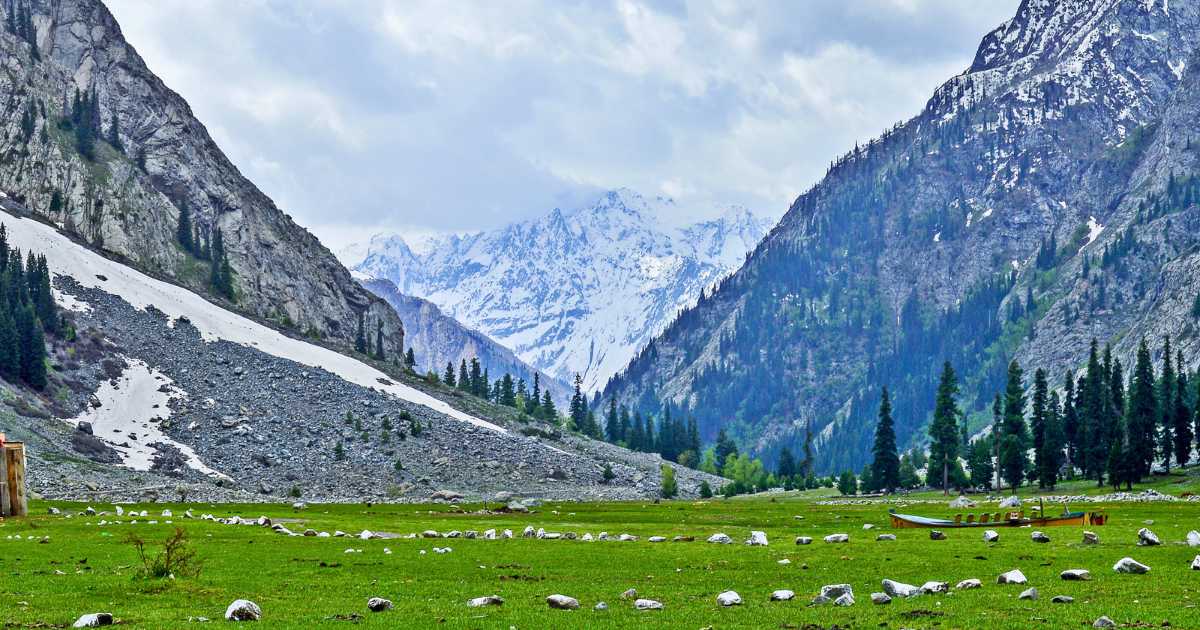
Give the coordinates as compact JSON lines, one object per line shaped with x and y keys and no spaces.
{"x":302,"y":582}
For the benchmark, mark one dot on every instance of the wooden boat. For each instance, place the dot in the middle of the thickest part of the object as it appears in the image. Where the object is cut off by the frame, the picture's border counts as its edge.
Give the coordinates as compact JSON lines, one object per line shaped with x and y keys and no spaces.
{"x":1037,"y":518}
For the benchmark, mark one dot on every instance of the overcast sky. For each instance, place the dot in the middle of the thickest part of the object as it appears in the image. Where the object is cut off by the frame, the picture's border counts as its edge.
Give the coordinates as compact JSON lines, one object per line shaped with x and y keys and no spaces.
{"x":359,"y":116}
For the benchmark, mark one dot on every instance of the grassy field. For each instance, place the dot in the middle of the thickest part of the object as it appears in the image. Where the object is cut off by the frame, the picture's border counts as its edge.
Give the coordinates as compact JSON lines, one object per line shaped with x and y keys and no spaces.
{"x":303,"y":582}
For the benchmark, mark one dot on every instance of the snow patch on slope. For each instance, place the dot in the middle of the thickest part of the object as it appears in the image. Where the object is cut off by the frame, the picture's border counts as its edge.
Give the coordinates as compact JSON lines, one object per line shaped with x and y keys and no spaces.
{"x":1094,"y":230}
{"x":87,"y":268}
{"x":128,"y":417}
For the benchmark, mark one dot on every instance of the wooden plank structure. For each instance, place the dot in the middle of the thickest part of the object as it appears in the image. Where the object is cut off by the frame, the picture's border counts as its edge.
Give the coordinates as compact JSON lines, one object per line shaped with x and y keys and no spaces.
{"x":13,"y":501}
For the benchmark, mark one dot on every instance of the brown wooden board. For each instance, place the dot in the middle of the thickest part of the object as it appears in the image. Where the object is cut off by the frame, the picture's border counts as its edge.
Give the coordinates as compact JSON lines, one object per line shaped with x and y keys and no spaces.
{"x":4,"y":502}
{"x":16,"y":477}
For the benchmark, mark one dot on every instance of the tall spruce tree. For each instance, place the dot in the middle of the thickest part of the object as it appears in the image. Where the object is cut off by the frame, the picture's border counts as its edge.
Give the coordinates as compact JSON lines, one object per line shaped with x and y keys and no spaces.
{"x":1015,"y":440}
{"x":1181,"y":417}
{"x":1166,"y":407}
{"x":1037,"y":419}
{"x":943,"y":430}
{"x":1070,"y":424}
{"x":448,"y":375}
{"x":612,"y":424}
{"x":546,"y":409}
{"x":1054,"y":442}
{"x":578,"y":405}
{"x":1142,"y":418}
{"x":885,"y":467}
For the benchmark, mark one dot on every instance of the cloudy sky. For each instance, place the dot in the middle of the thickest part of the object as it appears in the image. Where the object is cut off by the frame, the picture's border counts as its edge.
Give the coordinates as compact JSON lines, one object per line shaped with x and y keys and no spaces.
{"x":359,"y":116}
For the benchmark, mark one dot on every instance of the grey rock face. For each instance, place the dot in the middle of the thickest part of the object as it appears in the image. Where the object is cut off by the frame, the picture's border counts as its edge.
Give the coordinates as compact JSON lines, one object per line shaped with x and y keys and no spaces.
{"x":1076,"y":575}
{"x":968,"y":584}
{"x":1029,"y":593}
{"x":729,"y":598}
{"x":282,"y":272}
{"x":93,"y":620}
{"x":1012,"y":577}
{"x":782,"y":595}
{"x":991,"y":536}
{"x":486,"y":600}
{"x":562,"y":602}
{"x":378,"y":604}
{"x":648,"y":604}
{"x":1091,"y":538}
{"x":1104,"y":622}
{"x":1062,"y":599}
{"x":1147,"y":538}
{"x":899,"y":589}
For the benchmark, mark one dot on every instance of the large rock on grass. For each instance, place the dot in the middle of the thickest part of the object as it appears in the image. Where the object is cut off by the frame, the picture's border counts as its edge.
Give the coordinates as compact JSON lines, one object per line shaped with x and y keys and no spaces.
{"x":243,"y":610}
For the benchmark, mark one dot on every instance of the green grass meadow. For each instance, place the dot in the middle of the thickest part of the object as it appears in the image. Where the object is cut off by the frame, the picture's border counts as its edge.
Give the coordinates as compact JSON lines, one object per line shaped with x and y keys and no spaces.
{"x":304,"y":582}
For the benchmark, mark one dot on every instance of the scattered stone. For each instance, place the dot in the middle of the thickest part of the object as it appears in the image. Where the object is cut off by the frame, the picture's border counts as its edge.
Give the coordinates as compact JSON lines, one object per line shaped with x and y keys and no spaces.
{"x":1062,"y":599}
{"x":487,"y":600}
{"x":1104,"y":622}
{"x":729,"y":598}
{"x":867,"y":526}
{"x":648,"y":604}
{"x":837,"y":538}
{"x":379,"y":604}
{"x":93,"y":620}
{"x":1029,"y":593}
{"x":630,"y":538}
{"x":933,"y":588}
{"x":562,"y":602}
{"x":968,"y":584}
{"x":885,"y":537}
{"x":243,"y":610}
{"x":720,"y":539}
{"x":1076,"y":575}
{"x":1129,"y":565}
{"x":1196,"y":563}
{"x":600,"y":606}
{"x":900,"y":589}
{"x":880,"y":599}
{"x":820,"y":600}
{"x":1011,"y":502}
{"x":936,"y":534}
{"x":658,"y":539}
{"x":991,"y":536}
{"x":629,"y":594}
{"x":782,"y":595}
{"x":844,"y":600}
{"x":803,"y":540}
{"x":429,"y":533}
{"x":1147,"y":538}
{"x":299,"y":505}
{"x":785,"y":561}
{"x":1090,"y":538}
{"x":684,"y":539}
{"x":1039,"y":537}
{"x":757,"y":539}
{"x":834,"y":591}
{"x":1012,"y":577}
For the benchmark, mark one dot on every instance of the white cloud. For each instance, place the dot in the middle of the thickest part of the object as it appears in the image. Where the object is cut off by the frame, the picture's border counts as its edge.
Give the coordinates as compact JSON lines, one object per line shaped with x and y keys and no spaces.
{"x":428,"y":115}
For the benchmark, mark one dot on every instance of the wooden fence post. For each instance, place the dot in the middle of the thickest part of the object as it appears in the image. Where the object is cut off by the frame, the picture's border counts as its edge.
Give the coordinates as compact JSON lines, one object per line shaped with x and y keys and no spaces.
{"x":13,"y":501}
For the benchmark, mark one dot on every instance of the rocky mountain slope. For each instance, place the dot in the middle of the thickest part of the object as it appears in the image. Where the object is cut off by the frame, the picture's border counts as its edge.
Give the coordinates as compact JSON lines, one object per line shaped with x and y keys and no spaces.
{"x":127,"y":198}
{"x":575,"y":291}
{"x":438,"y":339}
{"x":1072,"y":134}
{"x":162,"y":392}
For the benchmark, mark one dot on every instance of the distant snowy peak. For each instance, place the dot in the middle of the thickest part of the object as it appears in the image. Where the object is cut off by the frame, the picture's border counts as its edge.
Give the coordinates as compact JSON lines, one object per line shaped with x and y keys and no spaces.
{"x":577,"y":290}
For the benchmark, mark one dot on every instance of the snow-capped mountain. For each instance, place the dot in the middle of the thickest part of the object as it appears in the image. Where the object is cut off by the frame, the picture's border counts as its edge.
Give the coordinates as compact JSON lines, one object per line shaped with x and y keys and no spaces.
{"x":576,"y":291}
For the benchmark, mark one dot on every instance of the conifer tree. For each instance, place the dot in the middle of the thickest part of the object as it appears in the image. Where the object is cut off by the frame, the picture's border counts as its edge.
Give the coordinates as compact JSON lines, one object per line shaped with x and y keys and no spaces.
{"x":1142,"y":416}
{"x":1050,"y":455}
{"x":464,"y":377}
{"x":114,"y":134}
{"x":943,"y":430}
{"x":1166,"y":406}
{"x":626,"y":427}
{"x":578,"y":408}
{"x":669,"y":487}
{"x":612,"y":425}
{"x":360,"y":338}
{"x":10,"y":349}
{"x":786,"y":468}
{"x":1181,"y":418}
{"x":547,"y":409}
{"x":33,"y":348}
{"x":508,"y":393}
{"x":979,"y":462}
{"x":885,"y":467}
{"x":1070,"y":424}
{"x":1037,"y":419}
{"x":1014,"y":435}
{"x":448,"y":375}
{"x":725,"y":449}
{"x":531,"y":406}
{"x":637,"y":436}
{"x":809,"y":461}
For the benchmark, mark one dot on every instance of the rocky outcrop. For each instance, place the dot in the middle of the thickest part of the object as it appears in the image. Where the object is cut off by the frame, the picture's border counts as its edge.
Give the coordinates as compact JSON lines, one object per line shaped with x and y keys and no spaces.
{"x":127,"y":201}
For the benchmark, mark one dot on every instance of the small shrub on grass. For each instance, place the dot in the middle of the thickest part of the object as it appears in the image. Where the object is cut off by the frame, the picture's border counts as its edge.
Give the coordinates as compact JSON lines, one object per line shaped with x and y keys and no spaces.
{"x":705,"y":490}
{"x":669,"y":487}
{"x":176,"y":559}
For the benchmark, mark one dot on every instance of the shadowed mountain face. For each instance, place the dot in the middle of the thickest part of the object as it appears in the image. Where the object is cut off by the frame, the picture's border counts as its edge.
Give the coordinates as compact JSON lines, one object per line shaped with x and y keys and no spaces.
{"x":573,"y":291}
{"x":150,"y":158}
{"x":1042,"y":197}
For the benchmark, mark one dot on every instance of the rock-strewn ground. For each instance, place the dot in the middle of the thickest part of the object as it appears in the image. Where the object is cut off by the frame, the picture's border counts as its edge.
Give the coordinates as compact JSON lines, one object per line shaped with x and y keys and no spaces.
{"x":273,"y":427}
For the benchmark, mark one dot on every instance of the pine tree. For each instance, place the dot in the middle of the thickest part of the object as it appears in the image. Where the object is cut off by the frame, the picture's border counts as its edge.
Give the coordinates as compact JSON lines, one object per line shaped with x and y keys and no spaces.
{"x":448,"y":376}
{"x":578,"y":408}
{"x":1090,"y":406}
{"x":531,"y":406}
{"x":886,"y":465}
{"x":1181,"y":418}
{"x":1070,"y":424}
{"x":479,"y":382}
{"x":725,"y":449}
{"x":114,"y":134}
{"x":410,"y":357}
{"x":464,"y":377}
{"x":810,"y":461}
{"x":10,"y":349}
{"x":637,"y":435}
{"x":1142,"y":416}
{"x":508,"y":393}
{"x":786,"y":468}
{"x":1166,"y":406}
{"x":626,"y":428}
{"x":184,"y":231}
{"x":612,"y":425}
{"x":1050,"y":455}
{"x":979,"y":462}
{"x":1014,"y":436}
{"x":33,"y":348}
{"x":943,"y":430}
{"x":1038,"y":411}
{"x":360,"y":338}
{"x":549,"y":413}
